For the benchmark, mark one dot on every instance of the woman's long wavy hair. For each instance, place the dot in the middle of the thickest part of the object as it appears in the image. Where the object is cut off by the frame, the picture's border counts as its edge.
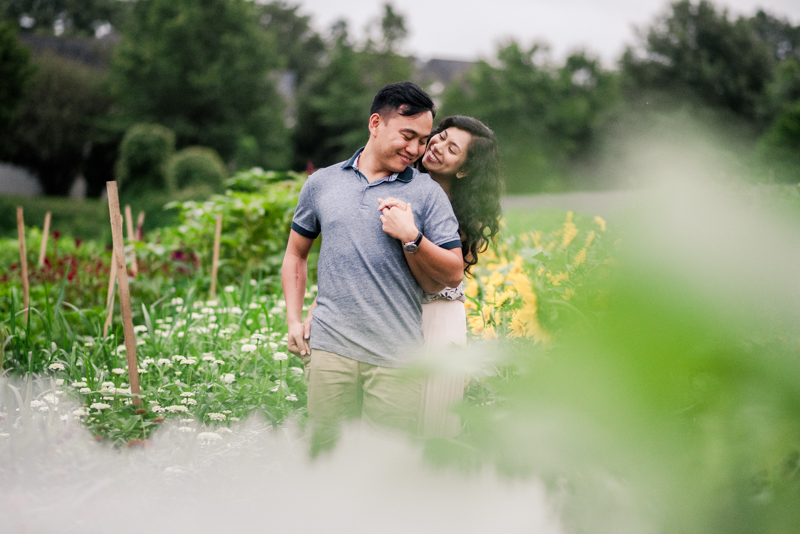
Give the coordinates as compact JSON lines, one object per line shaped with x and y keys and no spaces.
{"x":476,"y":196}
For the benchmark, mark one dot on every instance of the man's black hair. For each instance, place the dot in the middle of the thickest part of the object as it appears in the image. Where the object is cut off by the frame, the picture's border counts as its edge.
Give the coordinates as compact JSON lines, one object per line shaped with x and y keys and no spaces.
{"x":406,"y":98}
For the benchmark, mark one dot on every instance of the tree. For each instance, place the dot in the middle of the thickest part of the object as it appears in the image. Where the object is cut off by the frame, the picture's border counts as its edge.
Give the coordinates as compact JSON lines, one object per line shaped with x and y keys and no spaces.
{"x":200,"y":67}
{"x":75,"y":17}
{"x":57,"y":121}
{"x":779,"y":147}
{"x":15,"y":71}
{"x":544,"y":116}
{"x":696,"y":51}
{"x":298,"y":46}
{"x":333,"y":104}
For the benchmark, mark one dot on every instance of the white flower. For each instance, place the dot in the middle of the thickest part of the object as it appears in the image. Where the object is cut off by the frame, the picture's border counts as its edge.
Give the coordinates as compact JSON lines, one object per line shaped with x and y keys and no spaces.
{"x":247,"y":347}
{"x":292,"y":397}
{"x":51,"y":398}
{"x":187,"y":394}
{"x":99,"y":406}
{"x":140,"y":342}
{"x":162,"y":361}
{"x":59,"y":382}
{"x":181,"y":333}
{"x":237,"y":310}
{"x":226,"y":411}
{"x":85,"y":390}
{"x":169,"y":319}
{"x":224,"y":430}
{"x":80,"y":412}
{"x":142,"y":370}
{"x":139,"y":328}
{"x":253,"y":282}
{"x":208,"y":437}
{"x":274,"y":389}
{"x":57,"y":366}
{"x":177,"y":408}
{"x":229,"y":289}
{"x":187,"y":421}
{"x":121,"y":348}
{"x":157,"y":409}
{"x":208,"y":357}
{"x":212,"y":303}
{"x":217,"y":416}
{"x":190,"y":402}
{"x":118,"y":371}
{"x":258,"y":337}
{"x":228,"y":378}
{"x":177,"y":358}
{"x":107,"y":385}
{"x":189,"y":361}
{"x":280,"y":356}
{"x":297,"y":370}
{"x":234,"y":418}
{"x":177,"y":300}
{"x":248,"y":322}
{"x":186,"y":429}
{"x":219,"y":362}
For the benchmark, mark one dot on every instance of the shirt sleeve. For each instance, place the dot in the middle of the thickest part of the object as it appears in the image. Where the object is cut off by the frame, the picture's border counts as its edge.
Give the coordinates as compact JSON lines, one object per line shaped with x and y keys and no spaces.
{"x":306,"y":220}
{"x":440,"y":223}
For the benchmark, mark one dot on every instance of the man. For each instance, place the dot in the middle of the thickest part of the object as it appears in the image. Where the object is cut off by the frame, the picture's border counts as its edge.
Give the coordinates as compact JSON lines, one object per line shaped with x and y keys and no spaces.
{"x":368,"y":318}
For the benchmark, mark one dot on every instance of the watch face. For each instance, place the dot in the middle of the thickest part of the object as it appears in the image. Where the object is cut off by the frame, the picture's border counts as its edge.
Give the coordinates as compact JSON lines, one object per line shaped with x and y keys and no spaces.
{"x":411,"y":248}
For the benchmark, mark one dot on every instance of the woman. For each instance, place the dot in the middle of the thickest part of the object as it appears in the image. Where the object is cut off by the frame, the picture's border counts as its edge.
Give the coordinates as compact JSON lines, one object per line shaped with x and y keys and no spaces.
{"x":462,"y":157}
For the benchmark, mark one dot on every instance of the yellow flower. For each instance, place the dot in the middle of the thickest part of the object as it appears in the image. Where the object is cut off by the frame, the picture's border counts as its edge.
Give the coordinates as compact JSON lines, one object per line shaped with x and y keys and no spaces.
{"x":496,"y":279}
{"x":589,"y":239}
{"x":503,"y":298}
{"x":569,"y":216}
{"x":525,"y":238}
{"x":568,"y":294}
{"x":475,"y":323}
{"x":599,"y":220}
{"x":537,"y":239}
{"x":471,"y":290}
{"x":557,"y":278}
{"x":489,"y":333}
{"x":579,"y":258}
{"x":570,"y":231}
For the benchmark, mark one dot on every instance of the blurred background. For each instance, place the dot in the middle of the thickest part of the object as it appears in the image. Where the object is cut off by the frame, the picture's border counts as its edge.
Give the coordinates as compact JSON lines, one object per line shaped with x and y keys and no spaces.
{"x":170,"y":97}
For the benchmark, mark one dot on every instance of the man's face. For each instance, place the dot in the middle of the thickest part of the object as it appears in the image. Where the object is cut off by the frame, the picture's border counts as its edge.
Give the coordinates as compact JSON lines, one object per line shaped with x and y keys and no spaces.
{"x":400,"y":140}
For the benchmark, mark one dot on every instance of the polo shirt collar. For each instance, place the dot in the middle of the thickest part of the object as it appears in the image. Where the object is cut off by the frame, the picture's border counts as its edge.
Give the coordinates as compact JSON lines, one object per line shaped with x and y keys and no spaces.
{"x":405,"y":176}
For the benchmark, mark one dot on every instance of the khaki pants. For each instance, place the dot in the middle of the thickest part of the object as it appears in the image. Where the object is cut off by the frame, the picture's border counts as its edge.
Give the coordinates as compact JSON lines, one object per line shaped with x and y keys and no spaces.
{"x":342,"y":389}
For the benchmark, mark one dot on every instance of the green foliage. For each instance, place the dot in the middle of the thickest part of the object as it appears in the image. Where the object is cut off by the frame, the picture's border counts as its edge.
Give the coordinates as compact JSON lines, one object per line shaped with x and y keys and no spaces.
{"x":200,"y":67}
{"x":15,"y":71}
{"x":333,"y":104}
{"x":86,"y":220}
{"x":77,"y":17}
{"x":58,"y":117}
{"x":298,"y":46}
{"x":544,"y":116}
{"x":697,"y":51}
{"x":779,"y":148}
{"x":144,"y":154}
{"x":257,"y":210}
{"x":197,"y":166}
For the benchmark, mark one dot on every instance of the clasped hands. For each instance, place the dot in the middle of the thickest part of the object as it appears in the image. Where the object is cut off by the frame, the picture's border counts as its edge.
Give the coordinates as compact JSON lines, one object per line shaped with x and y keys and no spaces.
{"x":398,"y":219}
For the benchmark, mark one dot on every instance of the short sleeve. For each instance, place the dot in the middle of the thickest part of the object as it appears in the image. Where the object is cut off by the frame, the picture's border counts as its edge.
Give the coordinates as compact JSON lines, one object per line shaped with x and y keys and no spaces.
{"x":306,"y":219}
{"x":440,"y":223}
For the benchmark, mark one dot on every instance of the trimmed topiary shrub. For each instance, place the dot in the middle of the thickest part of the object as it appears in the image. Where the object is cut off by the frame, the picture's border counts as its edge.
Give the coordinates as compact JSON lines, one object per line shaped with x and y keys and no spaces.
{"x":144,"y":154}
{"x":197,"y":166}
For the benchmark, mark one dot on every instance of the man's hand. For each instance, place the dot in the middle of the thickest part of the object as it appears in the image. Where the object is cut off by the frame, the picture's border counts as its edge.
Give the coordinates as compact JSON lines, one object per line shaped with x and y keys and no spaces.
{"x":398,"y":219}
{"x":296,"y":340}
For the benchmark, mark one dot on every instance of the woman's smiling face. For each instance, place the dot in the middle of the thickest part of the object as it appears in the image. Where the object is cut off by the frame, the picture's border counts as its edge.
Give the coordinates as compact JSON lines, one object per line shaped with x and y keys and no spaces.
{"x":447,"y":152}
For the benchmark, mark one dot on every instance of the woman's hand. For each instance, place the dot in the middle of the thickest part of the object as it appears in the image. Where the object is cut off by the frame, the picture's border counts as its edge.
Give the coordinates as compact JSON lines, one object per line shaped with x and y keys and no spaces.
{"x":398,"y":219}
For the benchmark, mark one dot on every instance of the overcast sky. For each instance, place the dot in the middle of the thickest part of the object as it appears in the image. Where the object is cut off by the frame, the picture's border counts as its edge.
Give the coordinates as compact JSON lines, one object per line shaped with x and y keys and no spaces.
{"x":471,"y":29}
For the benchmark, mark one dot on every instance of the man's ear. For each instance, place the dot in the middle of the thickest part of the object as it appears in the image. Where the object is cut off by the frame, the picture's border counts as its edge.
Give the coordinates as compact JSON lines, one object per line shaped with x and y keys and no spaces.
{"x":374,"y":121}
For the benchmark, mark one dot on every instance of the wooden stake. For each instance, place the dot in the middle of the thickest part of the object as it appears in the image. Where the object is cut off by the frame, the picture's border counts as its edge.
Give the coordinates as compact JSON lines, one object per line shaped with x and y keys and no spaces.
{"x":110,"y":297}
{"x":23,"y":261}
{"x":131,"y":239}
{"x":45,"y":235}
{"x":140,"y":226}
{"x":124,"y":290}
{"x":215,"y":260}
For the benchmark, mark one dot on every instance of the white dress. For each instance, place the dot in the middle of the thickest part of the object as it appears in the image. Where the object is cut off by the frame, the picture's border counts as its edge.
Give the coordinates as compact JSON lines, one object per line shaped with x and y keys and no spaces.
{"x":444,"y":325}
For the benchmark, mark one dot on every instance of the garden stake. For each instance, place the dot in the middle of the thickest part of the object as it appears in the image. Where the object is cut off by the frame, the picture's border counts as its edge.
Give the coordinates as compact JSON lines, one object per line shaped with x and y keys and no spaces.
{"x":23,"y":261}
{"x":131,"y":239}
{"x":45,"y":235}
{"x":215,"y":261}
{"x":124,"y":290}
{"x":110,"y":296}
{"x":140,"y":226}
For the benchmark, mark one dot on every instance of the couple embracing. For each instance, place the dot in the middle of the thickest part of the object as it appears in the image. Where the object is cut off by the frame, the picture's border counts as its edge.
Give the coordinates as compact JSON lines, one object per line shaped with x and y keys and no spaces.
{"x":401,"y":222}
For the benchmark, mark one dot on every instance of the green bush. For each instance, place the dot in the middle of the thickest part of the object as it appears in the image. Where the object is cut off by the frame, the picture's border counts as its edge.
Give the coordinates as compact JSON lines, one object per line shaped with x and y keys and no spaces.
{"x":779,"y":148}
{"x":143,"y":156}
{"x":197,"y":165}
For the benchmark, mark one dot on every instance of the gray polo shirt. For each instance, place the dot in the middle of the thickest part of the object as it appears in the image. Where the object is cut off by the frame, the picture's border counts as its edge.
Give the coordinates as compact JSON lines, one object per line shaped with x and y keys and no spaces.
{"x":368,"y":305}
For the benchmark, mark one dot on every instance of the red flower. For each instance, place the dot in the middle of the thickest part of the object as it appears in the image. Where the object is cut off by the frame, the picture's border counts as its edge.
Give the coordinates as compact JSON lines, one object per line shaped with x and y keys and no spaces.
{"x":56,"y":235}
{"x":78,"y":242}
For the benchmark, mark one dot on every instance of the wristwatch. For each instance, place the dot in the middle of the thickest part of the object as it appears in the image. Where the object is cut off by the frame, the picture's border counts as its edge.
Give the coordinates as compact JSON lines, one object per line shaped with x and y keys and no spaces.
{"x":412,"y":246}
